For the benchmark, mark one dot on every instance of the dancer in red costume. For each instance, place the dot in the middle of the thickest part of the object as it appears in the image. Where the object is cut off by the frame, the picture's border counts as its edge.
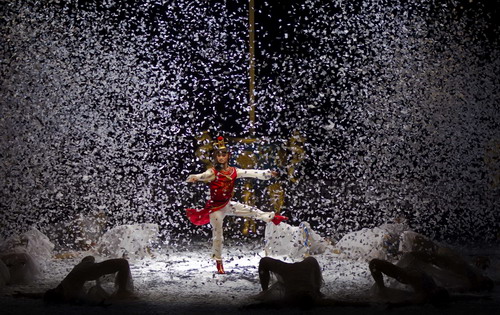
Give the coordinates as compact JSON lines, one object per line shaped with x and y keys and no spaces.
{"x":222,"y":178}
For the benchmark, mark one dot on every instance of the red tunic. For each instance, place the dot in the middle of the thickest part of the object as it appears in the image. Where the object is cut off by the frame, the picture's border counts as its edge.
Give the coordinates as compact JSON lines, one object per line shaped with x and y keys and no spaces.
{"x":221,"y":191}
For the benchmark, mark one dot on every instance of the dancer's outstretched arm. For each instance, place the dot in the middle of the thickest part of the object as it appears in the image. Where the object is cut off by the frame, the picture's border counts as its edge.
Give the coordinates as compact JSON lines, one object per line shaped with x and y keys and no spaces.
{"x":259,"y":174}
{"x":206,"y":176}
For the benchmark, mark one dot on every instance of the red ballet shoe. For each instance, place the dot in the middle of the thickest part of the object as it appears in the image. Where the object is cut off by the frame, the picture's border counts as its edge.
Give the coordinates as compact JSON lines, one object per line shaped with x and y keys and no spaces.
{"x":220,"y":268}
{"x":278,"y":218}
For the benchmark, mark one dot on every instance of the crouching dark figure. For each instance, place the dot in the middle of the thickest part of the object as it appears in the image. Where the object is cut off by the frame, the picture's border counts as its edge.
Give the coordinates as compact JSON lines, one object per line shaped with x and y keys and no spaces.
{"x":298,"y":284}
{"x":71,"y":289}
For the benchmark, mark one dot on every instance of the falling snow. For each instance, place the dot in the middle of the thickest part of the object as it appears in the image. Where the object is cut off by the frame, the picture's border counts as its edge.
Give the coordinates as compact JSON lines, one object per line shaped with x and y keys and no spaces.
{"x":398,"y":103}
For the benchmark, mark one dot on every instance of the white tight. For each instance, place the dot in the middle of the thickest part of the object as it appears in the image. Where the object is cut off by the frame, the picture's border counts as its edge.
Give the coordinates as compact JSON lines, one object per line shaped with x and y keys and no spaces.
{"x":233,"y":209}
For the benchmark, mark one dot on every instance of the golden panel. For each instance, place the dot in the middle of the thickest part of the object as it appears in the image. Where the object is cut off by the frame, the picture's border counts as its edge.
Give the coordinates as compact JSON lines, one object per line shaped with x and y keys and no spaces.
{"x":276,"y":196}
{"x":247,"y":160}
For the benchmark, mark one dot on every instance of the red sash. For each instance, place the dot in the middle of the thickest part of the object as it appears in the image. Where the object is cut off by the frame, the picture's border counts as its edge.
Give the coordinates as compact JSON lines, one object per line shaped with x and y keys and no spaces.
{"x":221,"y":191}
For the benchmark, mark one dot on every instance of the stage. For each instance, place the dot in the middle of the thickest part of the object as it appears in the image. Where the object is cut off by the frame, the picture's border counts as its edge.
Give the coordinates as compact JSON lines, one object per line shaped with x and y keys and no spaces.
{"x":183,"y":281}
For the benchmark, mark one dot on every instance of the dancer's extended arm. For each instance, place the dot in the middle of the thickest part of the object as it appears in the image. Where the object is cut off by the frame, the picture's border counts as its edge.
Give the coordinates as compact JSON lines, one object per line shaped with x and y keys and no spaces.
{"x":259,"y":174}
{"x":206,"y":176}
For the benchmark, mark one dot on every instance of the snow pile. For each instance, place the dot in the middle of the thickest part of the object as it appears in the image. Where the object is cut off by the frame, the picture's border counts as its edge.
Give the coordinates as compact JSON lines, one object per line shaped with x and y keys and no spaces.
{"x":381,"y":242}
{"x":25,"y":255}
{"x":128,"y":241}
{"x":33,"y":243}
{"x":293,"y":241}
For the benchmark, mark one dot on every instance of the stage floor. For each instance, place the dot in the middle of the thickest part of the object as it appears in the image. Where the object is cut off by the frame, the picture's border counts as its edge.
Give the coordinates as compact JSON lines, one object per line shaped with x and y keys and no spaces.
{"x":183,"y":281}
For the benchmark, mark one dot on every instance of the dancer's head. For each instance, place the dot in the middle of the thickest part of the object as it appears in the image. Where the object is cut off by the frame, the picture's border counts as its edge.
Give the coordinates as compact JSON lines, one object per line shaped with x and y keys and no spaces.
{"x":221,"y":153}
{"x":88,"y":259}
